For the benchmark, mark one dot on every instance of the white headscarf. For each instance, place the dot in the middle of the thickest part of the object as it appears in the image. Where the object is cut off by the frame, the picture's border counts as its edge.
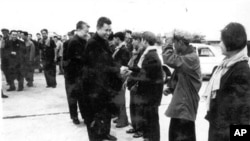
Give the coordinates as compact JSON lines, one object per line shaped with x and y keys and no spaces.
{"x":214,"y":83}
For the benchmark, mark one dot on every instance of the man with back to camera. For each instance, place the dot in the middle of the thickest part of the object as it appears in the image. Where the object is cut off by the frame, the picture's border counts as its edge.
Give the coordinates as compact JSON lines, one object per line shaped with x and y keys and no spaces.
{"x":48,"y":49}
{"x":74,"y":56}
{"x":99,"y":83}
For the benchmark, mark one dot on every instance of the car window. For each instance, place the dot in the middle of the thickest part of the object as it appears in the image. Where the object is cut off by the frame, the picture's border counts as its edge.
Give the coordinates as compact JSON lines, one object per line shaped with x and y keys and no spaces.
{"x":205,"y":52}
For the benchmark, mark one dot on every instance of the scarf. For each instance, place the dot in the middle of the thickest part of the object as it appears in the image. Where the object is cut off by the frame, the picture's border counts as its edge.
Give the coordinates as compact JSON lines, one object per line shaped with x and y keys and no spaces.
{"x":149,"y":48}
{"x":214,"y":83}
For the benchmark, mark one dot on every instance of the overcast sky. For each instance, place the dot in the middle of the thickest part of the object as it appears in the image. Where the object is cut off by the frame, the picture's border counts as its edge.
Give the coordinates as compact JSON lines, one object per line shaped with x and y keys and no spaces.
{"x":206,"y":17}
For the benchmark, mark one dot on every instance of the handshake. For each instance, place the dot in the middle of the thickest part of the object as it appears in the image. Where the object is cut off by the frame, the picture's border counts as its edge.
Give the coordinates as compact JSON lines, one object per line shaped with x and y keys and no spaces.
{"x":124,"y":71}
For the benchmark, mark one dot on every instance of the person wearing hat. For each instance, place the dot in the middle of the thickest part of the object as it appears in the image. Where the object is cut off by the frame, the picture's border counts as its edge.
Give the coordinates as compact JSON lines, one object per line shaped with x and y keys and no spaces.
{"x":121,"y":57}
{"x":48,"y":49}
{"x":184,"y":84}
{"x":228,"y":91}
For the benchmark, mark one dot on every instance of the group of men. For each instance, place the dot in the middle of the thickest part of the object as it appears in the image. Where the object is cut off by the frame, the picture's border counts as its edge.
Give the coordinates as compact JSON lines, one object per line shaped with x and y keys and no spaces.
{"x":97,"y":69}
{"x":21,"y":55}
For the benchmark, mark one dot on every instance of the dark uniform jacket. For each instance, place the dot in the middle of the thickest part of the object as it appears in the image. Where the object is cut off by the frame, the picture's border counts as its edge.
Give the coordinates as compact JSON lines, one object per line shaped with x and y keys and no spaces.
{"x":48,"y":49}
{"x":232,"y":103}
{"x":102,"y":72}
{"x":74,"y":54}
{"x":121,"y":56}
{"x":15,"y":51}
{"x":150,"y":79}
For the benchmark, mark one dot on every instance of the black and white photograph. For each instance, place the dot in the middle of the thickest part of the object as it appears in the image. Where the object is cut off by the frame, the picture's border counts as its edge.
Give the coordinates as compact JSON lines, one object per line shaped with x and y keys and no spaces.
{"x":125,"y":70}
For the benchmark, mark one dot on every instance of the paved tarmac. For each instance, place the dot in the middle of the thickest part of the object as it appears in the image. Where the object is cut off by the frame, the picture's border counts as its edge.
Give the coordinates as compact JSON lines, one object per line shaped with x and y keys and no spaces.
{"x":41,"y":114}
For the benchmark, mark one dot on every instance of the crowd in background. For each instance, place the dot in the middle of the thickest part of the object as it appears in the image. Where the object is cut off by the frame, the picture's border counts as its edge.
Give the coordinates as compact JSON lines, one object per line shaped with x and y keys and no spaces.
{"x":100,"y":67}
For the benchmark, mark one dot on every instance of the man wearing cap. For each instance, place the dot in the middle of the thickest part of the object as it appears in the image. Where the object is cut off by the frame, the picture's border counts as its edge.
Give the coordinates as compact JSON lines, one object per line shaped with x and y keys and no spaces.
{"x":29,"y":59}
{"x":73,"y":70}
{"x":184,"y":84}
{"x":48,"y":49}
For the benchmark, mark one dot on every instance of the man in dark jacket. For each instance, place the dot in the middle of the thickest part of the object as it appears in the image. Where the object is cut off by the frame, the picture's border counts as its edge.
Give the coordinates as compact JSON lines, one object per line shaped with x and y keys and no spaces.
{"x":121,"y":57}
{"x":74,"y":56}
{"x":150,"y":86}
{"x":5,"y":61}
{"x":99,"y":82}
{"x":48,"y":48}
{"x":15,"y":53}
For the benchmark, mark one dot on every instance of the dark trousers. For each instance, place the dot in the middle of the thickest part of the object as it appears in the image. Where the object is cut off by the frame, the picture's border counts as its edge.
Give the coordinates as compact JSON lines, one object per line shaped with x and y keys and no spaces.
{"x":97,"y":116}
{"x":120,"y":103}
{"x":4,"y":67}
{"x":181,"y":130}
{"x":29,"y":74}
{"x":151,"y":126}
{"x":15,"y":73}
{"x":73,"y":92}
{"x":136,"y":111}
{"x":218,"y":134}
{"x":50,"y":73}
{"x":59,"y":62}
{"x":98,"y":123}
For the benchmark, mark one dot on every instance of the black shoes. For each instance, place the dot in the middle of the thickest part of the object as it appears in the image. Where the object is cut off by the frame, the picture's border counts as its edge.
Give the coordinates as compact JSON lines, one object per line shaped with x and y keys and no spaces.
{"x":11,"y":89}
{"x":76,"y":121}
{"x":20,"y":89}
{"x":30,"y":84}
{"x":4,"y":96}
{"x":121,"y":125}
{"x":109,"y":137}
{"x":131,"y":131}
{"x":51,"y":86}
{"x":138,"y":134}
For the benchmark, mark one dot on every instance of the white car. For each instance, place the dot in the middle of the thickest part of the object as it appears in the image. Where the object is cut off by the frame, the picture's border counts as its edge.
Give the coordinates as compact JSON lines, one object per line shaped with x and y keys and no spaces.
{"x":210,"y":58}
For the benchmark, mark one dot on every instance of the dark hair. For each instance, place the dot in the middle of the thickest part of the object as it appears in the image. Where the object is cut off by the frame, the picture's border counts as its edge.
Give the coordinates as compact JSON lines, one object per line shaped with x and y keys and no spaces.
{"x":137,"y":36}
{"x":5,"y":30}
{"x":80,"y":23}
{"x":149,"y":37}
{"x":128,"y":31}
{"x":38,"y":34}
{"x":19,"y":31}
{"x":120,"y":35}
{"x":46,"y":30}
{"x":111,"y":36}
{"x":56,"y":37}
{"x":25,"y":33}
{"x":234,"y":36}
{"x":103,"y":20}
{"x":12,"y":31}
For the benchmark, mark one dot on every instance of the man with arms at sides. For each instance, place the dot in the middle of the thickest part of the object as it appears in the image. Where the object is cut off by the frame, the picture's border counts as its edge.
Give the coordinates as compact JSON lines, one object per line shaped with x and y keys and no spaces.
{"x":29,"y":59}
{"x":59,"y":52}
{"x":15,"y":53}
{"x":100,"y":82}
{"x":48,"y":49}
{"x":74,"y":56}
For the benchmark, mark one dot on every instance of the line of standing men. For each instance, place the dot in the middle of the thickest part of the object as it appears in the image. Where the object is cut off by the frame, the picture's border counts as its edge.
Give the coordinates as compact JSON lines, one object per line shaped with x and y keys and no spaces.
{"x":17,"y":59}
